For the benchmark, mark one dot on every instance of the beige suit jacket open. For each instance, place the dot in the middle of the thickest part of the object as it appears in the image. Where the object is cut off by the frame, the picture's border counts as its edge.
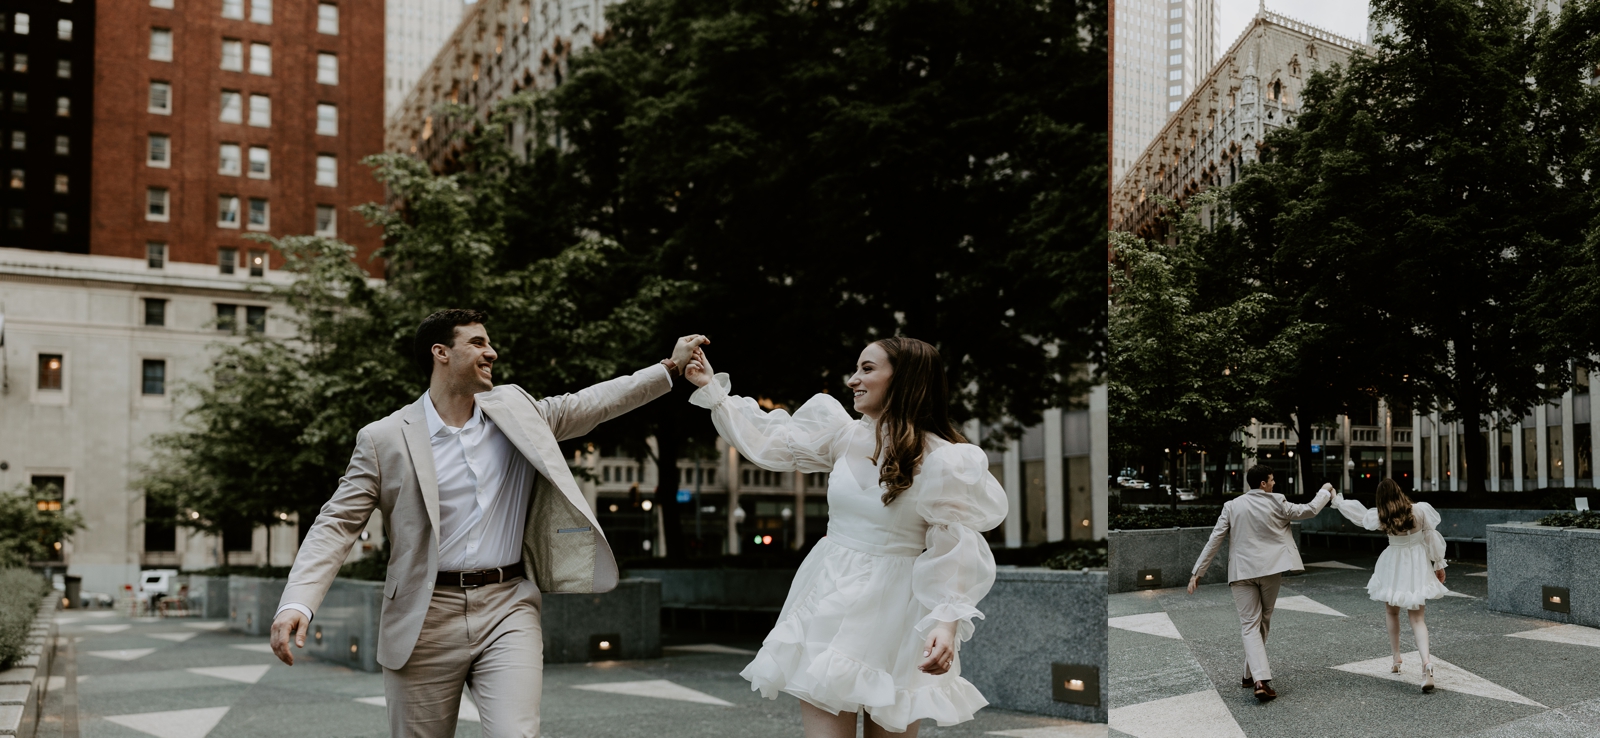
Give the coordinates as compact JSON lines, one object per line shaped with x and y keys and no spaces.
{"x":1262,"y":542}
{"x":563,"y":549}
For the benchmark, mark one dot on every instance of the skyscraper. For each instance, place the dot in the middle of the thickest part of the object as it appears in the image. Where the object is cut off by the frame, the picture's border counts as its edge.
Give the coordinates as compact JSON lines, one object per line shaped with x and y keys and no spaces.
{"x":414,"y":31}
{"x":1163,"y":49}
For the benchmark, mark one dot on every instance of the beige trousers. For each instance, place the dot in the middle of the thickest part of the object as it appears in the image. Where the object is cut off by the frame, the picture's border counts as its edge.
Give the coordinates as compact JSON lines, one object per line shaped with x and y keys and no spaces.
{"x":1255,"y":599}
{"x":487,"y":638}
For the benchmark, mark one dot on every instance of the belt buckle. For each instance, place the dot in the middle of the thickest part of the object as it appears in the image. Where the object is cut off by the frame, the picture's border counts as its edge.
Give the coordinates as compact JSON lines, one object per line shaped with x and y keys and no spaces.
{"x":461,"y":576}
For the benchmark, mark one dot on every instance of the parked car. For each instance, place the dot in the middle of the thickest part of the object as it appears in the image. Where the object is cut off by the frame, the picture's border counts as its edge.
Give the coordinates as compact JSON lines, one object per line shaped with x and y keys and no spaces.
{"x":1184,"y":493}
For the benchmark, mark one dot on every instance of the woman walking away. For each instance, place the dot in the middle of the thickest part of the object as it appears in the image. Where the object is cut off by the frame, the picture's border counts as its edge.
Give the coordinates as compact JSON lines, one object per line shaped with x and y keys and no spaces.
{"x":879,"y":607}
{"x":1410,"y":571}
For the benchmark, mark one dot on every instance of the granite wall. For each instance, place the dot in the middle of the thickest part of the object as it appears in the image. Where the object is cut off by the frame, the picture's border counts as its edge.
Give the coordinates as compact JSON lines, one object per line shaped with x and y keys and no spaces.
{"x":345,"y":630}
{"x":627,"y":618}
{"x":1173,"y":551}
{"x":208,"y":597}
{"x":1524,"y":558}
{"x":722,"y":588}
{"x":1033,"y":620}
{"x":1464,"y":524}
{"x":252,"y":603}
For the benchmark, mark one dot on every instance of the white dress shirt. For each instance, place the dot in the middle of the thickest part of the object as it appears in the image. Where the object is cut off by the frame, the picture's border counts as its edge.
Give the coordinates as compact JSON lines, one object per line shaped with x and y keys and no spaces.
{"x":484,"y":490}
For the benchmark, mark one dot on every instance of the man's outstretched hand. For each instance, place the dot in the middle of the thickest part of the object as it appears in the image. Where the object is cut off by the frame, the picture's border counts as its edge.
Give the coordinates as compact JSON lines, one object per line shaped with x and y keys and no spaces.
{"x":1193,"y":582}
{"x":685,"y":348}
{"x":290,"y":623}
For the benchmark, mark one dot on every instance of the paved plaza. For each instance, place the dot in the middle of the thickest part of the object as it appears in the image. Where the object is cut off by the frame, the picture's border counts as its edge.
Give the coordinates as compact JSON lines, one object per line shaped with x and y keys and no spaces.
{"x":1176,"y":661}
{"x":119,"y":677}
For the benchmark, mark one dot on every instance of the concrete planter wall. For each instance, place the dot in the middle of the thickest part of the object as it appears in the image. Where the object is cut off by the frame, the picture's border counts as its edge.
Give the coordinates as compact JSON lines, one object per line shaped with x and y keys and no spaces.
{"x":1463,"y":525}
{"x":252,"y":603}
{"x":208,"y":597}
{"x":720,"y":588}
{"x":1173,"y":551}
{"x":345,"y":630}
{"x":22,"y":687}
{"x":628,"y":618}
{"x":1523,"y":559}
{"x":1035,"y":619}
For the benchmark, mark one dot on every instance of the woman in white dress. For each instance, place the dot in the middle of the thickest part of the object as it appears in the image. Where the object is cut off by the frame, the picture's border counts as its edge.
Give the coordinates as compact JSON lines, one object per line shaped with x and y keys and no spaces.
{"x":877,"y":611}
{"x":1410,"y":571}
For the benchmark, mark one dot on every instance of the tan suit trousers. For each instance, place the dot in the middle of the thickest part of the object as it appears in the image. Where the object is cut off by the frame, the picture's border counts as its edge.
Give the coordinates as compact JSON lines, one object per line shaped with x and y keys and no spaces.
{"x":1255,"y":599}
{"x":487,"y":638}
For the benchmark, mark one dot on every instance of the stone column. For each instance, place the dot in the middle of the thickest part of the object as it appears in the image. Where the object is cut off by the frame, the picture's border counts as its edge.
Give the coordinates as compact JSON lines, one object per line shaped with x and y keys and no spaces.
{"x":1055,"y":487}
{"x":1516,"y":457}
{"x":732,"y":460}
{"x":1012,"y":464}
{"x":1388,"y":438}
{"x":1435,"y":457}
{"x":1344,"y":429}
{"x":1494,"y":459}
{"x":1417,"y":459}
{"x":1099,"y":459}
{"x":1594,"y":425}
{"x":1569,"y":450}
{"x":799,"y":541}
{"x":1455,"y":455}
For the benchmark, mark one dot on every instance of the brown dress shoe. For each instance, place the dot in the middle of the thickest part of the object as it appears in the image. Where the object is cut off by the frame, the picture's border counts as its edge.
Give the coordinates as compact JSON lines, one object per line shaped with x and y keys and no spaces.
{"x":1264,"y":691}
{"x":1247,"y":683}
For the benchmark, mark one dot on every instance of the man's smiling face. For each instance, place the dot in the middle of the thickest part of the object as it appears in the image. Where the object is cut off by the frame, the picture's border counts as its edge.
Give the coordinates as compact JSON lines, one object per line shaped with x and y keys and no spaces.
{"x":468,"y":363}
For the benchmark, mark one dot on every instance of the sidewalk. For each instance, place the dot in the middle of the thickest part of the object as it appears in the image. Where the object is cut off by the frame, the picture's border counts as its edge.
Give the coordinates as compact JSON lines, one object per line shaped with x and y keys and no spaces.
{"x":1176,"y":661}
{"x":134,"y":678}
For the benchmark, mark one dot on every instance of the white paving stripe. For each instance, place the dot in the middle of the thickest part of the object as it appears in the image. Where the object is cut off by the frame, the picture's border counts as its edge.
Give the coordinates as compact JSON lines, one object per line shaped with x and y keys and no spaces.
{"x":1446,"y":676}
{"x":57,"y":682}
{"x":1198,"y":715}
{"x":468,"y":711}
{"x":1302,"y":603}
{"x":1479,"y":574}
{"x":1153,"y":623}
{"x":1335,"y":565}
{"x":108,"y":628}
{"x":1575,"y":635}
{"x":710,"y":648}
{"x":174,"y":637}
{"x":257,"y":647}
{"x":660,"y":689}
{"x":67,"y":621}
{"x":101,"y":614}
{"x":125,"y":654}
{"x":246,"y":674}
{"x":212,"y":625}
{"x":1075,"y":730}
{"x":1453,"y":593}
{"x":174,"y":723}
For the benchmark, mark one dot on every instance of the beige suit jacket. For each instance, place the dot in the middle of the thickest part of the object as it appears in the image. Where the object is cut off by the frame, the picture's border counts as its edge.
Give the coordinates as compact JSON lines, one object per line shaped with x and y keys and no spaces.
{"x":563,"y":549}
{"x":1263,"y":542}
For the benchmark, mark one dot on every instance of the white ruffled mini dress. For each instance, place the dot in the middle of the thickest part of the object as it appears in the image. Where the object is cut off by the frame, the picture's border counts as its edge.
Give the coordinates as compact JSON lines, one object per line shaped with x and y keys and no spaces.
{"x":1404,"y":576}
{"x":852,"y":630}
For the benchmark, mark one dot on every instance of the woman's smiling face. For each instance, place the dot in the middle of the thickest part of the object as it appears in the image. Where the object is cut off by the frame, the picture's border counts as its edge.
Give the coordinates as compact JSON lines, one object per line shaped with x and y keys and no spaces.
{"x":870,"y":383}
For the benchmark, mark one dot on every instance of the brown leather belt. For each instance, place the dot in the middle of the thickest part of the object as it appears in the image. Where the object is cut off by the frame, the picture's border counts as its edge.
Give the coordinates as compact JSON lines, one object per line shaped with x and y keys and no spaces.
{"x":478,"y":577}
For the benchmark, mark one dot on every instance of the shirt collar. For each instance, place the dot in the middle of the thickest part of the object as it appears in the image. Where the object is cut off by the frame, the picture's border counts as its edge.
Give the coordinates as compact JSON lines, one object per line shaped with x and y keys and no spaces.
{"x":436,"y":423}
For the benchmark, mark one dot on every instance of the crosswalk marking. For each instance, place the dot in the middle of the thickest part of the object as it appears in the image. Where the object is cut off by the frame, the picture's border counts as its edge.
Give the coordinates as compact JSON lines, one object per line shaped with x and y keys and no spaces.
{"x":173,"y":723}
{"x":660,"y":689}
{"x":1447,"y":676}
{"x":1152,"y":623}
{"x":1197,"y":715}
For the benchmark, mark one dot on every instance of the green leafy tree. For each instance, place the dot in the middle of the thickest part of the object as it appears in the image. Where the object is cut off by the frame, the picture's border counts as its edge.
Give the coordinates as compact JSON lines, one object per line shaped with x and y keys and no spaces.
{"x":28,"y":533}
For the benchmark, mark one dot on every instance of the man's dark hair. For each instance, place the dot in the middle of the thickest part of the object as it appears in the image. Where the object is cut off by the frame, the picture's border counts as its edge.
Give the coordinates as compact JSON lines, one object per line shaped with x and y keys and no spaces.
{"x":440,"y":327}
{"x":1257,"y":475}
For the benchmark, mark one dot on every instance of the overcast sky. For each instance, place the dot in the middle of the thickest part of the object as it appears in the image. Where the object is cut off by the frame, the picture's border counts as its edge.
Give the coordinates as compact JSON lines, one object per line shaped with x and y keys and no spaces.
{"x":1347,"y":18}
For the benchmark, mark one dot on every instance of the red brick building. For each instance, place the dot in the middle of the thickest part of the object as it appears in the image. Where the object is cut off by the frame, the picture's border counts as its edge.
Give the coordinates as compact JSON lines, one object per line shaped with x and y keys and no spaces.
{"x":214,"y":119}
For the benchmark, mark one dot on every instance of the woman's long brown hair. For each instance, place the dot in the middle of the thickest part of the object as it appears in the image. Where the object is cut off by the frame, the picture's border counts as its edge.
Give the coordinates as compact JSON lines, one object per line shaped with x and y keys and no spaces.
{"x":1394,"y":509}
{"x":918,"y":403}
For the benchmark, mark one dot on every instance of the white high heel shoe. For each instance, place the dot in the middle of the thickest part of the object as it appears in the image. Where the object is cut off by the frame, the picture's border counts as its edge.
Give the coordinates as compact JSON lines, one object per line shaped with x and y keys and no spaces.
{"x":1395,"y":668}
{"x":1427,"y":677}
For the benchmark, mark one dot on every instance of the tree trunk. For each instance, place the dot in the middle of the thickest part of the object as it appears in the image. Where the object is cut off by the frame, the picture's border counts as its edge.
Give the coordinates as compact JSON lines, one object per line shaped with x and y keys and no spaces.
{"x":1470,"y":404}
{"x":1302,"y":450}
{"x":669,"y":446}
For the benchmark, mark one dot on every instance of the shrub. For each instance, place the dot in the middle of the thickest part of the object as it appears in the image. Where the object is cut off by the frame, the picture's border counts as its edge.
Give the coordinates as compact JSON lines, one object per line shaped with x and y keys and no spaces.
{"x":1164,"y":517}
{"x":1057,"y":555}
{"x":20,"y":590}
{"x":1585,"y":519}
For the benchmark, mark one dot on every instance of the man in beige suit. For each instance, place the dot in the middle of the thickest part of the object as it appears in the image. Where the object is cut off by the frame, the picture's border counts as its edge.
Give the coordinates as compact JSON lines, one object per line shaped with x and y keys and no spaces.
{"x":1261,"y":550}
{"x":482,"y":516}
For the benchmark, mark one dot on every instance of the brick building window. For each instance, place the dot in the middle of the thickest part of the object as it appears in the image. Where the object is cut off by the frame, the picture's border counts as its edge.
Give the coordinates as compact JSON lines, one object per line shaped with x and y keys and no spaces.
{"x":64,"y":69}
{"x":161,"y":44}
{"x":328,"y":18}
{"x":58,"y":223}
{"x":155,"y":204}
{"x":167,"y":4}
{"x":257,"y":262}
{"x":19,"y":140}
{"x":261,"y":11}
{"x":260,"y":111}
{"x":326,"y":225}
{"x":64,"y":30}
{"x":327,"y":120}
{"x":261,"y":59}
{"x":14,"y":219}
{"x":227,"y":315}
{"x":155,"y":311}
{"x":19,"y":62}
{"x":327,"y":69}
{"x":260,"y":218}
{"x":255,"y":319}
{"x":327,"y":170}
{"x":232,"y":55}
{"x":227,"y":213}
{"x":63,"y":146}
{"x":233,"y":9}
{"x":155,"y":254}
{"x":18,"y":179}
{"x":61,"y":184}
{"x":154,"y":376}
{"x":232,"y":107}
{"x":19,"y":102}
{"x":160,"y":98}
{"x":228,"y":160}
{"x":63,"y":107}
{"x":158,"y":152}
{"x":260,"y":163}
{"x":227,"y":259}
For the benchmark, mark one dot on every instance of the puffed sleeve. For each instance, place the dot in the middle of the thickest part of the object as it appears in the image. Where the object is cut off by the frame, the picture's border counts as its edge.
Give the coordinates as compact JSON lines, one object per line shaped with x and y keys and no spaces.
{"x":961,"y":499}
{"x":1356,"y":512}
{"x":807,"y":441}
{"x":1428,"y":523}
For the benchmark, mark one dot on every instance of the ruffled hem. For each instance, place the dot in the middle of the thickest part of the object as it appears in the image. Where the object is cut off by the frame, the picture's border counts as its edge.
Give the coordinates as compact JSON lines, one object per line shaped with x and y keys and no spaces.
{"x":1406,"y":598}
{"x":960,"y":613}
{"x":835,"y":682}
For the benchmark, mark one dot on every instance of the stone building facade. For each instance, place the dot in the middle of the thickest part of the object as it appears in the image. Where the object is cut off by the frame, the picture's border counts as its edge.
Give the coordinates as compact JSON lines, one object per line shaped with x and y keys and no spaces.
{"x":1161,"y":50}
{"x":414,"y":31}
